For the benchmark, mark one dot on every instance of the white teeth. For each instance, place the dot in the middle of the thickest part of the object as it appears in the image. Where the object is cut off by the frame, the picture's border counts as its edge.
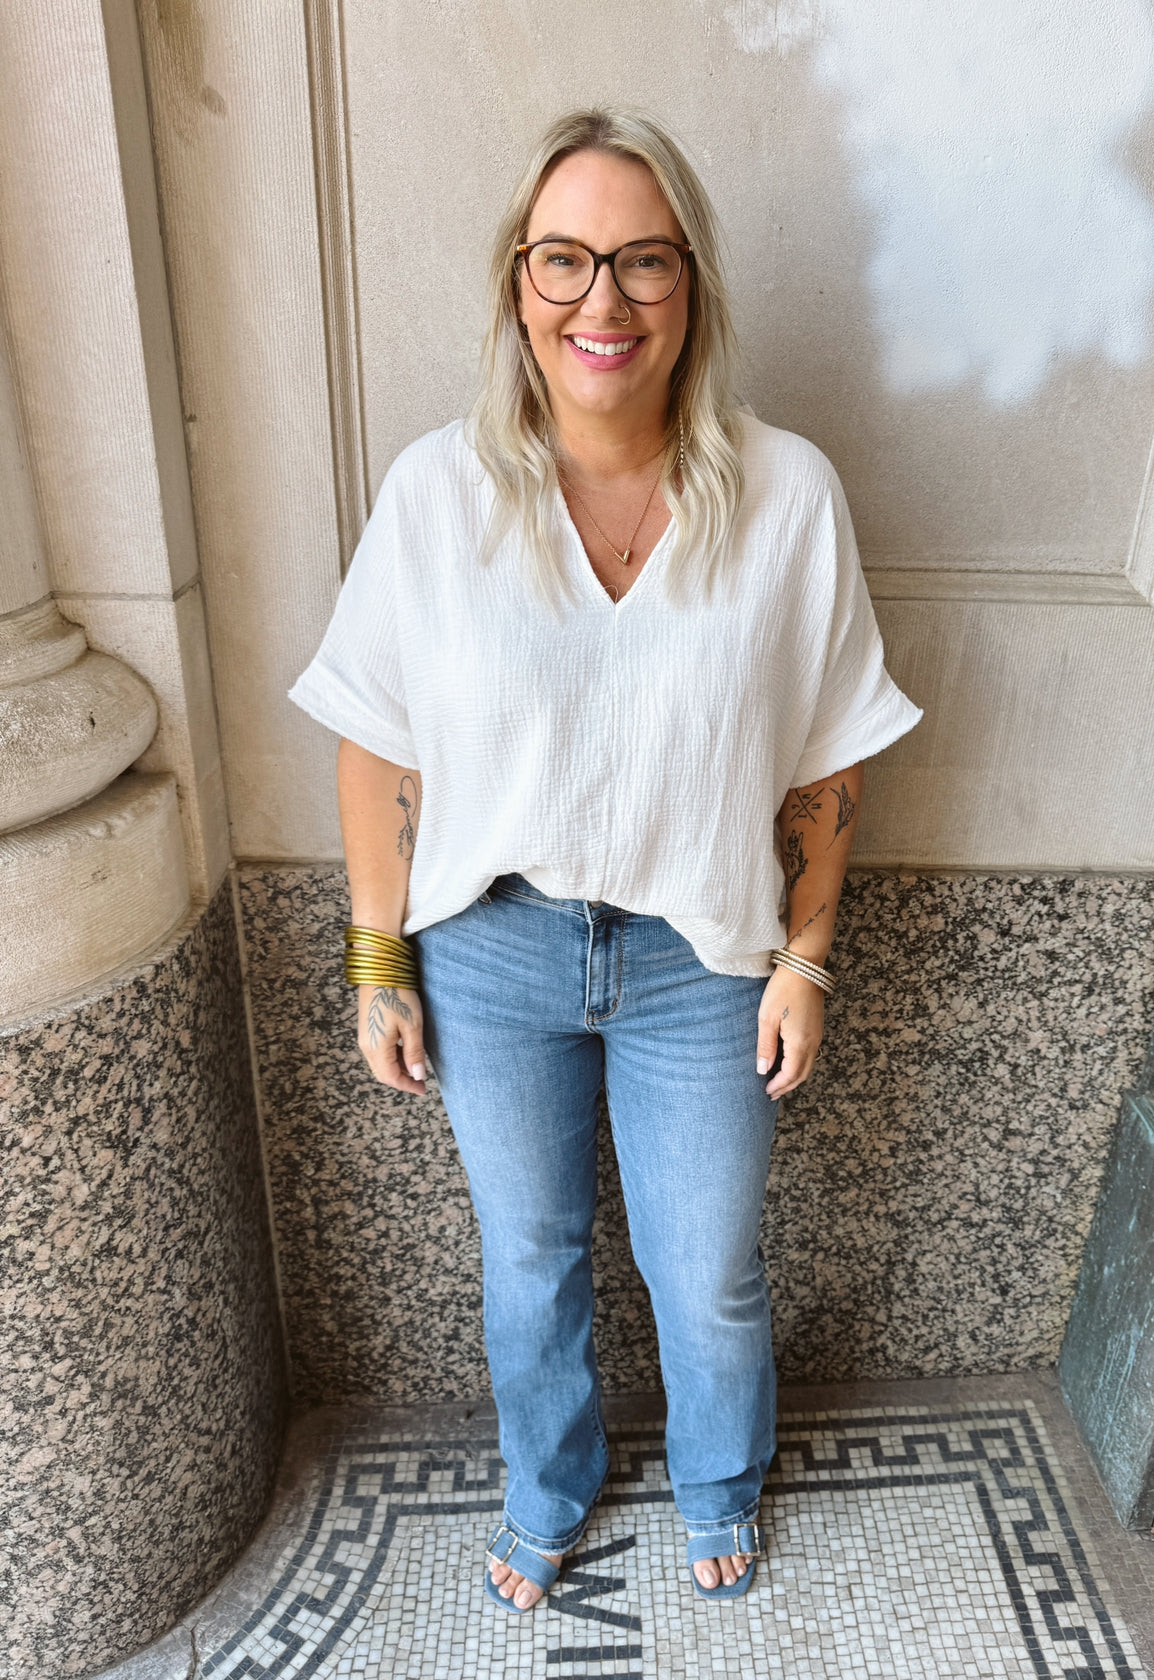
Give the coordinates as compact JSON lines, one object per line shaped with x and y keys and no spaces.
{"x":598,"y":349}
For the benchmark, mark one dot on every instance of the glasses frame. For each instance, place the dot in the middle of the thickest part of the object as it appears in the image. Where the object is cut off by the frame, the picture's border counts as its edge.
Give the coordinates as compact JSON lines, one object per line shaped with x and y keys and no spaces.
{"x":599,"y":257}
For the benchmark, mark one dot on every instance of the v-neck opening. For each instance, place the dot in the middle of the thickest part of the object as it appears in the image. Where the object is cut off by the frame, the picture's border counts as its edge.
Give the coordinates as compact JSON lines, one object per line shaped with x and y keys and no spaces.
{"x":577,"y":550}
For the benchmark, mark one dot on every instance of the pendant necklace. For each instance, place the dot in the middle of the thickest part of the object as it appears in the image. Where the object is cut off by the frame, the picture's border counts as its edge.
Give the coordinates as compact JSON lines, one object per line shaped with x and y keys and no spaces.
{"x":624,"y":558}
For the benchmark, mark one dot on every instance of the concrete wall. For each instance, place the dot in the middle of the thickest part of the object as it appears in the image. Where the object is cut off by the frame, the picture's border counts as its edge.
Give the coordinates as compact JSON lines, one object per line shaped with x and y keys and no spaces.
{"x":942,"y":256}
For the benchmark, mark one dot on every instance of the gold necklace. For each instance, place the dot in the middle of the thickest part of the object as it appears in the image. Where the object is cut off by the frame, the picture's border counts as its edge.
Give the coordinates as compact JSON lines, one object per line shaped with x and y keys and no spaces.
{"x":624,"y":558}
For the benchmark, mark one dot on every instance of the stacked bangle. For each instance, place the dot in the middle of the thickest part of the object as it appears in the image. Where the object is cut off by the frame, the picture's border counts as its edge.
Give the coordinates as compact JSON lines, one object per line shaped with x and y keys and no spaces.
{"x":801,"y":965}
{"x":378,"y":959}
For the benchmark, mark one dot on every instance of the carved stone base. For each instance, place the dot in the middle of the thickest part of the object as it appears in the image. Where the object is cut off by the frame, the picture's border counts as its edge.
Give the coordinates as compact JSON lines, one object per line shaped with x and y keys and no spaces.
{"x":85,"y":893}
{"x":71,"y":719}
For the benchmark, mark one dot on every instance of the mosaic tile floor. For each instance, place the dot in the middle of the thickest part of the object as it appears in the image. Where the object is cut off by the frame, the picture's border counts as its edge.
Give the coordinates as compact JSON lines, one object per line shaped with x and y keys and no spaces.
{"x":905,"y":1540}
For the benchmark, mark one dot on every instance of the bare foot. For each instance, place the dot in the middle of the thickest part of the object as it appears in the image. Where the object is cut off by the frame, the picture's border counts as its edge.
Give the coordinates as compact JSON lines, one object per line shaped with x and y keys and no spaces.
{"x":711,"y":1572}
{"x":511,"y":1585}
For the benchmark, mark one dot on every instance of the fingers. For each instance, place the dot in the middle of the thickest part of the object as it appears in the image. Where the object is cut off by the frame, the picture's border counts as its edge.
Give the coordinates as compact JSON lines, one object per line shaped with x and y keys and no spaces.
{"x":768,"y":1034}
{"x":413,"y":1050}
{"x":796,"y":1067}
{"x":391,"y":1037}
{"x":400,"y":1064}
{"x":790,"y":1022}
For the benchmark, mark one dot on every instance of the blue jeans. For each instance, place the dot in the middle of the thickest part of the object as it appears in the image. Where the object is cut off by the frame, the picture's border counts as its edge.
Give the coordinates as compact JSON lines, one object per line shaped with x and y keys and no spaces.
{"x":531,"y":1004}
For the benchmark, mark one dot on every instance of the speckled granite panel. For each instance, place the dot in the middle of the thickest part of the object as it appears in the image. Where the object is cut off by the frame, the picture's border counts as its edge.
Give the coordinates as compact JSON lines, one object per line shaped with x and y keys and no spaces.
{"x":379,"y":1252}
{"x":142,"y":1393}
{"x":931,"y":1188}
{"x":933,"y":1185}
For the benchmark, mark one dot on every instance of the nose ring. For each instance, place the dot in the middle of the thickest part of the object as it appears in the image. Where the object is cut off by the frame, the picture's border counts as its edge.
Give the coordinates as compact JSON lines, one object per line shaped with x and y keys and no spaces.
{"x":628,"y":316}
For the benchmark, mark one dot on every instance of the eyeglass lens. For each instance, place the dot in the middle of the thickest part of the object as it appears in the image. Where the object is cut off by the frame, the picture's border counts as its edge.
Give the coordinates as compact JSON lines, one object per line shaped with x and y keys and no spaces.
{"x":645,"y":272}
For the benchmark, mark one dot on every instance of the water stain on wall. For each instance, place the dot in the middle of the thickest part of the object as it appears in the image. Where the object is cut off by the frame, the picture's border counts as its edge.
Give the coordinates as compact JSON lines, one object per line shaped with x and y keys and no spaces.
{"x":988,"y":144}
{"x":179,"y":28}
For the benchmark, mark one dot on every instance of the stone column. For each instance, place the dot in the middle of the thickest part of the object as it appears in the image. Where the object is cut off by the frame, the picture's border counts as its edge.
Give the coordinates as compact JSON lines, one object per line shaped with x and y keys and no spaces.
{"x":142,"y":1388}
{"x":92,"y":869}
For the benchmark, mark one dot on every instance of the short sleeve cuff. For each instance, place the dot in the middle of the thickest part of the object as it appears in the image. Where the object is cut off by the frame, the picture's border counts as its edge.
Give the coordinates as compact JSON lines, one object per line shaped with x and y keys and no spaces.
{"x":337,"y":708}
{"x":890,"y":717}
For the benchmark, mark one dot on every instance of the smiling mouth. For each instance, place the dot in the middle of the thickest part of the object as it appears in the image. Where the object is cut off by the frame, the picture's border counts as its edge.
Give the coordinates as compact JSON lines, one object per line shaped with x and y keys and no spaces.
{"x":592,"y":347}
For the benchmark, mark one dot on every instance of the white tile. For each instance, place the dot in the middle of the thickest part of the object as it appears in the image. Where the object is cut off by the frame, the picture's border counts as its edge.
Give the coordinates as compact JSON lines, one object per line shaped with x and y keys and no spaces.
{"x":863,"y":1579}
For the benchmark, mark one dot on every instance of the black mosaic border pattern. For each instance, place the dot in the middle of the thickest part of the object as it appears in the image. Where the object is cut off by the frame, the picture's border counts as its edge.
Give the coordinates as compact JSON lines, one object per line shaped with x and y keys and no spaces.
{"x":1048,"y":1599}
{"x":927,"y":1458}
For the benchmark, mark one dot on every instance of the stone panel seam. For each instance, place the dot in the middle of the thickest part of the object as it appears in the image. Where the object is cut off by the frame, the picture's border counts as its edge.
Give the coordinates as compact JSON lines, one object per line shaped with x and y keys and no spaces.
{"x":258,"y":1105}
{"x":121,"y":595}
{"x":324,"y":33}
{"x":959,"y":583}
{"x":945,"y":872}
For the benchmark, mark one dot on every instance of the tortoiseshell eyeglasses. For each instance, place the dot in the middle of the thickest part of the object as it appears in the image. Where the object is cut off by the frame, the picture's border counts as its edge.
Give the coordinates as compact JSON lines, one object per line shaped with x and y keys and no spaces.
{"x":564,"y":271}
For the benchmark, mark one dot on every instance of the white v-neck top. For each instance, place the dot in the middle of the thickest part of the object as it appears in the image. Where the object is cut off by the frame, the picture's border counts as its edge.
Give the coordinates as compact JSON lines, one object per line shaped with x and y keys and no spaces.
{"x":636,"y":752}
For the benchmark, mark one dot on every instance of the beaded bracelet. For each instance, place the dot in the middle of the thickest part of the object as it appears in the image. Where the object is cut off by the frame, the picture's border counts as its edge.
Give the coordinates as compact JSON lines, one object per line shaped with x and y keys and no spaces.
{"x":378,"y":959}
{"x":802,"y":965}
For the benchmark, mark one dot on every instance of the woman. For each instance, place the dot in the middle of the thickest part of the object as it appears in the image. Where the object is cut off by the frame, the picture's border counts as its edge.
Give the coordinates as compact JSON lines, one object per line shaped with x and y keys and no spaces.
{"x":592,"y":644}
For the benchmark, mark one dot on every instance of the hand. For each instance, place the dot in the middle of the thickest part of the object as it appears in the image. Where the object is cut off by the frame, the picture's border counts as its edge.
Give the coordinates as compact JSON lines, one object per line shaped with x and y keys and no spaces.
{"x":390,"y":1034}
{"x":793,"y":1008}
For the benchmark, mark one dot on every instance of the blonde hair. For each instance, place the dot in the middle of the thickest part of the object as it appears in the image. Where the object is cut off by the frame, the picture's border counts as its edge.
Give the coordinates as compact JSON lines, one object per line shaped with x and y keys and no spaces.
{"x":512,"y":427}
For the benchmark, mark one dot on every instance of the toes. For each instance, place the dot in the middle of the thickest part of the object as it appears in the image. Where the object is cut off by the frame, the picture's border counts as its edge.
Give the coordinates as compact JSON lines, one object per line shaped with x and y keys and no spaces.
{"x":711,"y":1572}
{"x":526,"y":1595}
{"x":510,"y":1586}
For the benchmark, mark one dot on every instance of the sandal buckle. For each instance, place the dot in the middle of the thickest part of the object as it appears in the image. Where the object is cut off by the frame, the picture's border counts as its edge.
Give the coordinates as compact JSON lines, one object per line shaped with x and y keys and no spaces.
{"x":753,"y":1533}
{"x":509,"y":1549}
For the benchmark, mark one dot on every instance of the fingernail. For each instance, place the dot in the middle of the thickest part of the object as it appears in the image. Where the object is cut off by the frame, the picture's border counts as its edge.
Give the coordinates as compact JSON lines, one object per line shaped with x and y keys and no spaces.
{"x":763,"y":1064}
{"x":418,"y":1070}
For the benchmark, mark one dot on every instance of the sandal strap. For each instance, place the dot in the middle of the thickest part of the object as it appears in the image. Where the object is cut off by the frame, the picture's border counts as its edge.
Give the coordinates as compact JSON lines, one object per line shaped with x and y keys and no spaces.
{"x":748,"y":1539}
{"x":533,"y":1565}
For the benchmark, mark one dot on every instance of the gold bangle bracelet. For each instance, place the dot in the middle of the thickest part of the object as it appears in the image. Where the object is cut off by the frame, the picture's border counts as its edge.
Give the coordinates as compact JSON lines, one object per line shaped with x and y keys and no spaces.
{"x":373,"y":958}
{"x":374,"y":938}
{"x":365,"y":974}
{"x":361,"y":953}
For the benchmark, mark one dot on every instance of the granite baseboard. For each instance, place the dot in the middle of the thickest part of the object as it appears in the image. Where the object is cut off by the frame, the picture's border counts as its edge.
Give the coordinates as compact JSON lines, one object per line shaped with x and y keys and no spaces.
{"x":142,"y":1387}
{"x":931,"y":1188}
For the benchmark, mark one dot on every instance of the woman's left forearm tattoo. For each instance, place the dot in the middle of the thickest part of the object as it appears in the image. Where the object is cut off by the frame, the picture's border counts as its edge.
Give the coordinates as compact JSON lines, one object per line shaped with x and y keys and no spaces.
{"x":805,"y":805}
{"x":817,"y":913}
{"x":796,"y":862}
{"x":845,"y":811}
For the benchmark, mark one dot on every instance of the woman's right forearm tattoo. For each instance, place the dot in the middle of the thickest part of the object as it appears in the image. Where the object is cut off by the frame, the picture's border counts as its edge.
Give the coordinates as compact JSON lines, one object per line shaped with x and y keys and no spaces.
{"x":407,"y":800}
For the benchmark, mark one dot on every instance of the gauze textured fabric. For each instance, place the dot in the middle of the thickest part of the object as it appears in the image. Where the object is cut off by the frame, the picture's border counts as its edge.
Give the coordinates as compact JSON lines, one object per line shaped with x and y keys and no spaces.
{"x":633,"y":752}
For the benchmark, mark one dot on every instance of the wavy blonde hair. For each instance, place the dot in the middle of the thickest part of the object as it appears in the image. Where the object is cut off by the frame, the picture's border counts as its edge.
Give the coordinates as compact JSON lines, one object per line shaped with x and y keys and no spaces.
{"x":512,"y":425}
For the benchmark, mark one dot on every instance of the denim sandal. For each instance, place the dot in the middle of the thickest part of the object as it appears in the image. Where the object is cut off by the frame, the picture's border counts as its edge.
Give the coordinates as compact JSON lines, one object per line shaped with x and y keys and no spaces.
{"x":747,"y":1538}
{"x":532,"y":1565}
